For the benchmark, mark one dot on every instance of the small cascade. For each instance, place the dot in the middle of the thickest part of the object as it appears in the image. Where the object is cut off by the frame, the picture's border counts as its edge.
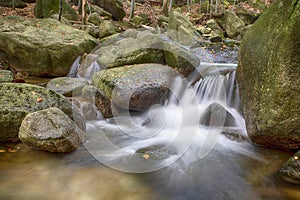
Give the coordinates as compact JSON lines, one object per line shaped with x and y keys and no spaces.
{"x":85,"y":67}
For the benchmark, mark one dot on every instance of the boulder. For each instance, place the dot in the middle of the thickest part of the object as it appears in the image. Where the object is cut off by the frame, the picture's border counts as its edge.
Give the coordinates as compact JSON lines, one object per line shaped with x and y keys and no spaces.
{"x":29,"y":1}
{"x":98,"y":98}
{"x":233,"y":24}
{"x":55,"y":45}
{"x":9,"y":3}
{"x":217,"y":116}
{"x":100,"y":11}
{"x":291,"y":169}
{"x":6,"y":76}
{"x":115,"y":7}
{"x":146,"y":48}
{"x":18,"y":100}
{"x":50,"y":130}
{"x":95,"y":19}
{"x":47,"y":8}
{"x":180,"y":58}
{"x":216,"y":29}
{"x":136,"y":87}
{"x":134,"y":47}
{"x":181,"y":29}
{"x":66,"y":85}
{"x":107,"y":28}
{"x":268,"y":75}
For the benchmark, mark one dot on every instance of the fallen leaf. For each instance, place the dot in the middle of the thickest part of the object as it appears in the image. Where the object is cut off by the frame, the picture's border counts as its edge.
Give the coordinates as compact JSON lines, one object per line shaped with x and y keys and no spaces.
{"x":39,"y":99}
{"x":146,"y":156}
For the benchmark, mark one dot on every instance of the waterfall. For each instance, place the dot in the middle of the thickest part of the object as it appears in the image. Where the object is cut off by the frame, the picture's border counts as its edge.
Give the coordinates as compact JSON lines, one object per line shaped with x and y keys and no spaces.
{"x":188,"y":127}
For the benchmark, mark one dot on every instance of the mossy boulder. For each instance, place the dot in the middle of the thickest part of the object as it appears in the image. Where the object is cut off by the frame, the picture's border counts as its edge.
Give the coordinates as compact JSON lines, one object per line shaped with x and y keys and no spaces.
{"x":137,"y":47}
{"x":6,"y":76}
{"x":291,"y":169}
{"x":9,"y":3}
{"x":181,"y":29}
{"x":268,"y":74}
{"x":66,"y":85}
{"x":47,"y":8}
{"x":50,"y":130}
{"x":18,"y":100}
{"x":115,"y":7}
{"x":107,"y":28}
{"x":41,"y":47}
{"x":136,"y":87}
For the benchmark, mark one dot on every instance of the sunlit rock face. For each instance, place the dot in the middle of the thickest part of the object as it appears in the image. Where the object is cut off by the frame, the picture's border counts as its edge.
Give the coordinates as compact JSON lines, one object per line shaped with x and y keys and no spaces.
{"x":268,"y":75}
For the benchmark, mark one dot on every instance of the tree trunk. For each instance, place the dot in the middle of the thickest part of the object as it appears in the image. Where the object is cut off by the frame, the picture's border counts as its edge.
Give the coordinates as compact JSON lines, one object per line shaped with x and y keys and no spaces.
{"x":165,"y":8}
{"x":14,"y":4}
{"x":84,"y":17}
{"x":132,"y":5}
{"x":60,"y":10}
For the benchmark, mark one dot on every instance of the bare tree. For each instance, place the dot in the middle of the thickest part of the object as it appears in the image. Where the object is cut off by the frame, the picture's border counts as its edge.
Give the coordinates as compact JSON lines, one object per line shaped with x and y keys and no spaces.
{"x":60,"y":10}
{"x":14,"y":4}
{"x":83,"y":14}
{"x":132,"y":5}
{"x":165,"y":7}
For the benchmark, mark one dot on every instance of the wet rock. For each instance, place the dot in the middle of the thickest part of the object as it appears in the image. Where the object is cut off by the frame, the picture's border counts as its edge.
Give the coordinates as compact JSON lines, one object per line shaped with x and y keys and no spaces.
{"x":47,"y":8}
{"x":6,"y":76}
{"x":216,"y":115}
{"x":98,"y":98}
{"x":269,"y":80}
{"x":50,"y":130}
{"x":291,"y":169}
{"x":136,"y":87}
{"x":115,"y":7}
{"x":66,"y":86}
{"x":18,"y":100}
{"x":55,"y":45}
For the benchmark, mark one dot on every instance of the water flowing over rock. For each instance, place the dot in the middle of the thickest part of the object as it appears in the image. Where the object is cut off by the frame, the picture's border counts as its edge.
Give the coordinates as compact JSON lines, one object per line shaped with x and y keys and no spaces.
{"x":66,"y":85}
{"x":51,"y":130}
{"x":268,"y":75}
{"x":41,"y":47}
{"x":136,"y":87}
{"x":18,"y":100}
{"x":47,"y":8}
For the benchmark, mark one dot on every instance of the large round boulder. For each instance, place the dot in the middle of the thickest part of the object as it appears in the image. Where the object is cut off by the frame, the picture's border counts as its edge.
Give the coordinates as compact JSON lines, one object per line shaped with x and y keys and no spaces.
{"x":268,"y":75}
{"x":41,"y":47}
{"x":18,"y":100}
{"x":50,"y":130}
{"x":136,"y":87}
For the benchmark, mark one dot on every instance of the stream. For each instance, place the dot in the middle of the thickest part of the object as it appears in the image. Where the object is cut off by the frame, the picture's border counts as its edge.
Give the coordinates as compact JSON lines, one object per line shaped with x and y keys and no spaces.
{"x":171,"y":152}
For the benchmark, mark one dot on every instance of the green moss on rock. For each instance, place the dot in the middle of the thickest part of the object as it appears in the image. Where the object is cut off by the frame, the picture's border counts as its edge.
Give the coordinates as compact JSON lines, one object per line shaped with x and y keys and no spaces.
{"x":268,"y":75}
